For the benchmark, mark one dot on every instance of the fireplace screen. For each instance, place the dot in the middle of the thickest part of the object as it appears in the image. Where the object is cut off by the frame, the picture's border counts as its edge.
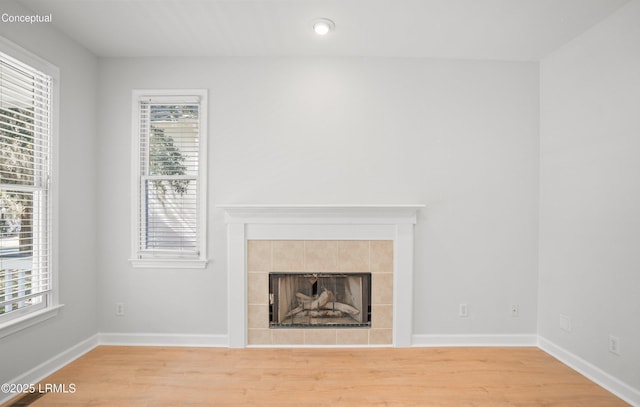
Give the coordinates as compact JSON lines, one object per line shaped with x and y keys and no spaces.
{"x":319,"y":300}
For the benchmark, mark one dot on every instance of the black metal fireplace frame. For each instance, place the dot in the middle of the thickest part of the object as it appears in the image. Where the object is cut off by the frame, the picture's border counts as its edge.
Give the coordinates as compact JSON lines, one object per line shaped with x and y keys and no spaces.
{"x":293,"y":323}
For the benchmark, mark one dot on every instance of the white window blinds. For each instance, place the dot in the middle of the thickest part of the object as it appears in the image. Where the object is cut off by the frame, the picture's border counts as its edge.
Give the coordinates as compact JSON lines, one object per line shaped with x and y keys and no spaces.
{"x":25,"y":168}
{"x":169,"y":182}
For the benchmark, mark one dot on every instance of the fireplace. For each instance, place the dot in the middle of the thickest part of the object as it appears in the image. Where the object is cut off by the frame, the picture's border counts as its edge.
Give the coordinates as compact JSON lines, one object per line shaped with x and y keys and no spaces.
{"x":319,"y":300}
{"x":320,"y":292}
{"x":320,"y":239}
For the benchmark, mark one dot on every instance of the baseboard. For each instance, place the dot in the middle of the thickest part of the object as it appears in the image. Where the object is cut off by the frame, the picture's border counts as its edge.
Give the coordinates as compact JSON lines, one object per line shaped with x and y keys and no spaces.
{"x":597,"y":375}
{"x":153,"y":339}
{"x":474,"y":340}
{"x":52,"y":365}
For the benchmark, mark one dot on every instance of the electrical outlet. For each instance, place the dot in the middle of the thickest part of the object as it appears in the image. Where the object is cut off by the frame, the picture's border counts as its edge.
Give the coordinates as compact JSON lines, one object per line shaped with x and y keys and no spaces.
{"x":565,"y":323}
{"x":119,"y":309}
{"x":515,"y":310}
{"x":614,"y":344}
{"x":463,"y":311}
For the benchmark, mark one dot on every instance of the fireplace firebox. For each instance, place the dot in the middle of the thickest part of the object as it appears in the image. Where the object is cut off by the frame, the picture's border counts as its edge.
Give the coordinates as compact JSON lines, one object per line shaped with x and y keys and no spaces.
{"x":319,"y":300}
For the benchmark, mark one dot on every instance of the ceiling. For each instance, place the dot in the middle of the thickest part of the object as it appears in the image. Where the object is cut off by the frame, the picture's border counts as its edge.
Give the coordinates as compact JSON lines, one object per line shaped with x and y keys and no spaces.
{"x":520,"y":30}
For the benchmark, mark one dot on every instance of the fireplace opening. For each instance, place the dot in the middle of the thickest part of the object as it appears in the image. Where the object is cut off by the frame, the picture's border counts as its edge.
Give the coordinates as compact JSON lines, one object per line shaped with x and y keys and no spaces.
{"x":318,"y":300}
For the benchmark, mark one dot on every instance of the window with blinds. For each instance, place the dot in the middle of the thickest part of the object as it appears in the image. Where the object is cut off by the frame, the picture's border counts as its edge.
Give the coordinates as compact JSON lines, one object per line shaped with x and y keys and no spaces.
{"x":25,"y":170}
{"x":169,"y":187}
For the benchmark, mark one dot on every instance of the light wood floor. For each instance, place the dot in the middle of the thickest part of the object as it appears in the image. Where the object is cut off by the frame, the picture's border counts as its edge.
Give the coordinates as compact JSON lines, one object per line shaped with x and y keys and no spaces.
{"x":150,"y":376}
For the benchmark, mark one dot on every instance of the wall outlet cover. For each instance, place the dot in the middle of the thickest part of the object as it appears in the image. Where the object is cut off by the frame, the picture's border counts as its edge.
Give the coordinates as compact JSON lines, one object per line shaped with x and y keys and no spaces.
{"x":565,"y":323}
{"x":515,"y":310}
{"x":463,"y":311}
{"x":614,"y":345}
{"x":119,"y":309}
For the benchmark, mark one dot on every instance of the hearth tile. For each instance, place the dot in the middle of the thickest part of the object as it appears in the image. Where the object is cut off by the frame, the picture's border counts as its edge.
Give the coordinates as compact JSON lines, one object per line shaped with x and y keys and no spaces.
{"x":352,"y":336}
{"x":288,"y":255}
{"x":382,"y":256}
{"x":287,"y":336}
{"x":259,"y":337}
{"x":353,"y":256}
{"x":259,"y":255}
{"x":258,"y":288}
{"x":380,"y":337}
{"x":382,"y":288}
{"x":321,"y":255}
{"x":258,"y":316}
{"x":382,"y":316}
{"x":320,"y":337}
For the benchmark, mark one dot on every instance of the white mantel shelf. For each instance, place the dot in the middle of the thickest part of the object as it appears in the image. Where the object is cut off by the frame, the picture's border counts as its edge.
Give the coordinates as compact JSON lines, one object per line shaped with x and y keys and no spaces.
{"x":322,"y":213}
{"x":321,"y":222}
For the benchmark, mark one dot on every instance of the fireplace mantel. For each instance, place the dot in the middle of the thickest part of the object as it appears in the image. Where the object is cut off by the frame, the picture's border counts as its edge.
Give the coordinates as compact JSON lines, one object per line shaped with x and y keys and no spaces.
{"x":312,"y":214}
{"x":321,"y":222}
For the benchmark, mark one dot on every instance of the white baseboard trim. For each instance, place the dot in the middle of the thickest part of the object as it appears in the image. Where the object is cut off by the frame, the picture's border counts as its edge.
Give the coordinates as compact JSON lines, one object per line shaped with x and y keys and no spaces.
{"x":52,"y":365}
{"x":597,"y":375}
{"x":154,"y":339}
{"x":474,"y":340}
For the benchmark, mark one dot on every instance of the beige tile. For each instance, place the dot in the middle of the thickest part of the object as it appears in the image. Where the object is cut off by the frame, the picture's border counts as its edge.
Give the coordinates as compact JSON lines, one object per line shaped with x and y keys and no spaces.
{"x":352,"y":336}
{"x":353,"y":255}
{"x":259,"y":255}
{"x":382,"y":316}
{"x":287,"y":336}
{"x":319,"y":336}
{"x":380,"y":337}
{"x":320,"y":255}
{"x":258,"y":316}
{"x":258,"y":288}
{"x":259,"y":337}
{"x":382,"y":256}
{"x":382,"y":288}
{"x":288,"y":255}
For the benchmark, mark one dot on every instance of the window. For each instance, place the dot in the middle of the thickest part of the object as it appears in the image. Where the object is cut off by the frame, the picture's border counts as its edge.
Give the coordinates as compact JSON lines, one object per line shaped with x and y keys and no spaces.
{"x":170,"y":146}
{"x":27,"y":268}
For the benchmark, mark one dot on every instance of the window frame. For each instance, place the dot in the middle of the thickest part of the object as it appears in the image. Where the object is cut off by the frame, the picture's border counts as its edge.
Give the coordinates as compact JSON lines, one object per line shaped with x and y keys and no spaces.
{"x":27,"y":317}
{"x":167,"y":260}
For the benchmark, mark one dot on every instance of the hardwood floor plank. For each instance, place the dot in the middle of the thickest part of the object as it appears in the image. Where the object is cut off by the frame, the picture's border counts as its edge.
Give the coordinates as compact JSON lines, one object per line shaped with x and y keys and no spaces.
{"x":331,"y":377}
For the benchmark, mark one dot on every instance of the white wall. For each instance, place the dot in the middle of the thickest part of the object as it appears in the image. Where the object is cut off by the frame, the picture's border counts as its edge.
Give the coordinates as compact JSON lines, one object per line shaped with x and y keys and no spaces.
{"x":590,"y":194}
{"x":26,"y":349}
{"x":460,"y":136}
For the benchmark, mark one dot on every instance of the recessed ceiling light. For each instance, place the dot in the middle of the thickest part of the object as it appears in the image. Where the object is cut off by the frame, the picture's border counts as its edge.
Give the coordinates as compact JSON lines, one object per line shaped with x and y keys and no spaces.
{"x":322,"y":26}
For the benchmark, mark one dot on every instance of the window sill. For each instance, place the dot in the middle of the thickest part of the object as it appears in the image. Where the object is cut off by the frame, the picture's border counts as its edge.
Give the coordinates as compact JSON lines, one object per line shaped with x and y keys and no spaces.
{"x":169,"y":263}
{"x":30,"y":319}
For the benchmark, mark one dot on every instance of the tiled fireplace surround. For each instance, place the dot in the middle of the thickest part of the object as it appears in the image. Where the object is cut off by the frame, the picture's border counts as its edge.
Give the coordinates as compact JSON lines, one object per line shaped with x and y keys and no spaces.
{"x":320,"y":256}
{"x":320,"y":238}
